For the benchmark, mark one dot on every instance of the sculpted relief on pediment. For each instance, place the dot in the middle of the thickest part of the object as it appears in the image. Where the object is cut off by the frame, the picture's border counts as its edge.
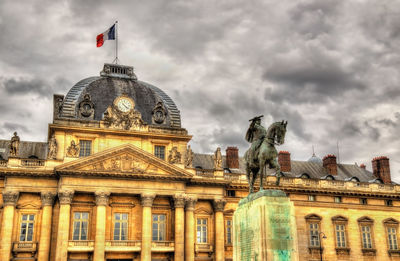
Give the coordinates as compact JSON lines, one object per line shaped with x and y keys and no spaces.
{"x":123,"y":162}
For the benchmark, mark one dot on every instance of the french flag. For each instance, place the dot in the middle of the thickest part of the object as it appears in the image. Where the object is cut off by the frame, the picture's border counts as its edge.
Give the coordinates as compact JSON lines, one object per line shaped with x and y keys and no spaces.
{"x":107,"y":35}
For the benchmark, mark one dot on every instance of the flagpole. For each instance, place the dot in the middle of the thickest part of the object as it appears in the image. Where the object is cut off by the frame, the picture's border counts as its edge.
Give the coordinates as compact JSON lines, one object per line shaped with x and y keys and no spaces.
{"x":116,"y":42}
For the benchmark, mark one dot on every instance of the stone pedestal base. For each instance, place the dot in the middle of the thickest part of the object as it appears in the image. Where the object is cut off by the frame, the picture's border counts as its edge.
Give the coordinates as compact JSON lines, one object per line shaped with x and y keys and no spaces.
{"x":265,"y":228}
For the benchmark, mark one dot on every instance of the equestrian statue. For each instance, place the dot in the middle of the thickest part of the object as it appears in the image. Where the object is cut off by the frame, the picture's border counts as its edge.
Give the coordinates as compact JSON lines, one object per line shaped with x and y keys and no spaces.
{"x":262,"y":151}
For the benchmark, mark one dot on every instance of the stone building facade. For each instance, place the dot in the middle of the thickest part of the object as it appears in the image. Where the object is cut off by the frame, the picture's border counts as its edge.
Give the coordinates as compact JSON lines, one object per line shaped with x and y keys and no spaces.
{"x":117,"y":181}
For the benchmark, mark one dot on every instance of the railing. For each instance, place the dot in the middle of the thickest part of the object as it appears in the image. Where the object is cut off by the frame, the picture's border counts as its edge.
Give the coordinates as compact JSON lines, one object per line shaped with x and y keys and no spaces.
{"x":123,"y":243}
{"x":205,"y":173}
{"x":80,"y":245}
{"x":203,"y":248}
{"x":32,"y":162}
{"x":230,"y":176}
{"x":163,"y":243}
{"x":24,"y":247}
{"x":3,"y":163}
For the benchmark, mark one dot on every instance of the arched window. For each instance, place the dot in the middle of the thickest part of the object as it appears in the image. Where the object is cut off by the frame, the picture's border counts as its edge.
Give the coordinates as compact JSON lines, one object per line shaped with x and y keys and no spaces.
{"x":304,"y":176}
{"x":33,"y":157}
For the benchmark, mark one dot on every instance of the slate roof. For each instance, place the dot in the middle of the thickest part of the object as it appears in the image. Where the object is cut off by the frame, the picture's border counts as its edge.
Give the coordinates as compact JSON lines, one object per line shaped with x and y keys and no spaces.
{"x":313,"y":170}
{"x":104,"y":89}
{"x":26,"y":149}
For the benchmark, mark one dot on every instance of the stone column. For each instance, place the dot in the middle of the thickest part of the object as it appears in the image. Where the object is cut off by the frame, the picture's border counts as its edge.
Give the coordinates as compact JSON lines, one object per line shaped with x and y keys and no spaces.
{"x":10,"y":199}
{"x":65,"y":197}
{"x":45,"y":228}
{"x":100,"y":239}
{"x":219,"y":205}
{"x":179,"y":201}
{"x":147,"y":202}
{"x":189,"y":228}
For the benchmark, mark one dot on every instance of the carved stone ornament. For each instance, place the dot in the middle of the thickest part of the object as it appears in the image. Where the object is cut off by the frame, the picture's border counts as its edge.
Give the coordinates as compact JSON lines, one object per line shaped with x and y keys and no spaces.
{"x":122,"y":115}
{"x":174,"y":156}
{"x":47,"y":198}
{"x":58,"y":104}
{"x":188,"y":157}
{"x":10,"y":198}
{"x":179,"y":201}
{"x":123,"y":162}
{"x":217,"y":159}
{"x":159,"y":113}
{"x":147,"y":199}
{"x":52,"y":148}
{"x":102,"y":198}
{"x":219,"y":204}
{"x":65,"y":196}
{"x":190,"y":203}
{"x":14,"y":145}
{"x":73,"y":150}
{"x":86,"y":107}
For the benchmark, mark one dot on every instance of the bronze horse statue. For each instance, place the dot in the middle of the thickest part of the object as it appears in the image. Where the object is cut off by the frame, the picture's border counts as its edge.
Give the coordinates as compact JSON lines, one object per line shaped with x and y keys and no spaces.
{"x":265,"y":155}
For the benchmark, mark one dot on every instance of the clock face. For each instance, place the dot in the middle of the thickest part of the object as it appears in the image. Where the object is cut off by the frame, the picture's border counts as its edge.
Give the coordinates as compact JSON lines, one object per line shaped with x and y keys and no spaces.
{"x":124,"y":105}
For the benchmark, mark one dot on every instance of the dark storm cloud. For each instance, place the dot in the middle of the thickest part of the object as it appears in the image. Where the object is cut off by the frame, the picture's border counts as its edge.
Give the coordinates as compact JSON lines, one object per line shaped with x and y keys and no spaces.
{"x":23,"y":86}
{"x":10,"y":127}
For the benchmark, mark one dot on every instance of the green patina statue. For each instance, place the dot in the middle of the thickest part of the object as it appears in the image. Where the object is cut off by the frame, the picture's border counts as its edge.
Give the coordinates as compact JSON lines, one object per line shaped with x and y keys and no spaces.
{"x":262,"y":151}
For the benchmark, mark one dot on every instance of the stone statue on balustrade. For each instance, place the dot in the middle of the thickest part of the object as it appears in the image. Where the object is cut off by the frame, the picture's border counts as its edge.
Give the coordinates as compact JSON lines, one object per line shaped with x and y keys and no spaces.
{"x":52,"y":148}
{"x":14,"y":145}
{"x":217,"y":159}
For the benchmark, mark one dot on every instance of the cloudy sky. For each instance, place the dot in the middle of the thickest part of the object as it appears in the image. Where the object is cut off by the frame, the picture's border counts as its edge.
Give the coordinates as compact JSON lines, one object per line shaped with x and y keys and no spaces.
{"x":329,"y":67}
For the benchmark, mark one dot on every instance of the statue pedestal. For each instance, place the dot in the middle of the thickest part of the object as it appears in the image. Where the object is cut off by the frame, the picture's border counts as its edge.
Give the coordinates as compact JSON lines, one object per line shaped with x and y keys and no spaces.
{"x":265,"y":228}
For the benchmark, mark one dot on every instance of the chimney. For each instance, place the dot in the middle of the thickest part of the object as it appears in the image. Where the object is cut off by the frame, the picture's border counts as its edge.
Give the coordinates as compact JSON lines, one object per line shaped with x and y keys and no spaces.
{"x":329,"y":163}
{"x":362,"y":165}
{"x":284,"y":161}
{"x":381,"y":169}
{"x":232,"y":157}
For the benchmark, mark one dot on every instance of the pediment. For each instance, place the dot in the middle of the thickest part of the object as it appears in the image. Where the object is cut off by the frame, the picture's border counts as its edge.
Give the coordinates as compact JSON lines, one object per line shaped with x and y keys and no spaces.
{"x":125,"y":159}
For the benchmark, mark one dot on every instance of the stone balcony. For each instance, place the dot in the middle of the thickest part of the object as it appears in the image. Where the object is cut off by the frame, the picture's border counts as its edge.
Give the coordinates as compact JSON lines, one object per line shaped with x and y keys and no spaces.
{"x":123,"y":246}
{"x":25,"y":247}
{"x":162,"y":246}
{"x":80,"y":246}
{"x":207,"y":248}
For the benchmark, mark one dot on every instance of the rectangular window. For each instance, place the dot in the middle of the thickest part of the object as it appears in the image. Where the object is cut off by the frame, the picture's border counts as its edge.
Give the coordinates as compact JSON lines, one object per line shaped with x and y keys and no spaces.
{"x":85,"y":148}
{"x":201,"y":230}
{"x":340,"y":235}
{"x":311,"y":197}
{"x":120,"y":226}
{"x":159,"y":151}
{"x":159,"y":225}
{"x":363,"y":201}
{"x":81,"y":221}
{"x":392,"y":238}
{"x":366,"y":237}
{"x":389,"y":202}
{"x":338,"y":199}
{"x":229,"y":231}
{"x":314,"y":234}
{"x":26,"y":233}
{"x":230,"y":193}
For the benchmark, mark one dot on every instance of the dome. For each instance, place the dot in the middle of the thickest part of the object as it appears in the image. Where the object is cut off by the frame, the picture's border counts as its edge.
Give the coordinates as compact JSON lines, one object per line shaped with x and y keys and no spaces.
{"x":101,"y":92}
{"x":315,"y":159}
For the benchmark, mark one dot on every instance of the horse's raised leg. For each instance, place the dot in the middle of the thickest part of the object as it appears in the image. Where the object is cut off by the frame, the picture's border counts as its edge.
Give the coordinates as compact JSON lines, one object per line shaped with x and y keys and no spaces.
{"x":275,"y":165}
{"x":249,"y":176}
{"x":261,"y":171}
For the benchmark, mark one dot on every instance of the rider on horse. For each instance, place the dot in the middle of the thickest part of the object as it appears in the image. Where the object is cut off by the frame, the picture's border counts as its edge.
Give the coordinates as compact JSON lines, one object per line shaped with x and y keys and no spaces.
{"x":255,"y":134}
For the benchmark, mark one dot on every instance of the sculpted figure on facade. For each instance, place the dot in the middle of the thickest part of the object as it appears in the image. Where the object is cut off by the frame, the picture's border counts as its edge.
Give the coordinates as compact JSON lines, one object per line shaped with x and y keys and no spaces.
{"x":188,"y":157}
{"x":86,"y":107}
{"x":73,"y":150}
{"x":14,"y":145}
{"x":58,"y":107}
{"x":174,"y":156}
{"x":262,"y":151}
{"x":130,"y":120}
{"x":217,"y":159}
{"x":52,"y":148}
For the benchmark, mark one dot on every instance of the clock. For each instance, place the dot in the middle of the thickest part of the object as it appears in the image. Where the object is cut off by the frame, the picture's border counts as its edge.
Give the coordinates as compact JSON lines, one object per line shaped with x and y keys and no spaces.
{"x":124,"y":104}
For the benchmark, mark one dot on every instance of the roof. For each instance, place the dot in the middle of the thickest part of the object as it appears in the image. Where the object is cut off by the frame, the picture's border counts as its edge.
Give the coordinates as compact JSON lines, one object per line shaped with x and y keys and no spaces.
{"x":104,"y":89}
{"x":26,"y":149}
{"x":312,"y":169}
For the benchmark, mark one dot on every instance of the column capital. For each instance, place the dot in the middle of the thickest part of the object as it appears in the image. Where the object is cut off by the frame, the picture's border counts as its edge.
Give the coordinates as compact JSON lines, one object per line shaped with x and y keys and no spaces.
{"x":219,"y":204}
{"x":47,"y":198}
{"x":102,"y":197}
{"x":10,"y":197}
{"x":65,"y":196}
{"x":179,"y":200}
{"x":190,"y":203}
{"x":146,"y":199}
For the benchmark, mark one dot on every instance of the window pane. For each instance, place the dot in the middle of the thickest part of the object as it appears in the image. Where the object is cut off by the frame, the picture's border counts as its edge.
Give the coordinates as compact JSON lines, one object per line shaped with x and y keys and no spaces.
{"x":76,"y":230}
{"x":31,"y":217}
{"x":85,"y":215}
{"x":84,"y":230}
{"x":30,"y":232}
{"x":23,"y":232}
{"x":24,"y":217}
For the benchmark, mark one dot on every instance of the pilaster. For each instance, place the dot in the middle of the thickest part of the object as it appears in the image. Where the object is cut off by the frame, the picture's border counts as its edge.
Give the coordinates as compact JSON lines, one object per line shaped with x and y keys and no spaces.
{"x":219,"y":206}
{"x":10,"y":199}
{"x":100,"y":239}
{"x":190,"y":204}
{"x":179,"y":203}
{"x":65,"y":198}
{"x":146,"y":202}
{"x":45,"y":228}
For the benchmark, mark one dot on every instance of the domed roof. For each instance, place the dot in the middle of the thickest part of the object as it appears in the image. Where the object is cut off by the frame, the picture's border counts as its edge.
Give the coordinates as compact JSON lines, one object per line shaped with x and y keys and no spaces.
{"x":116,"y":81}
{"x":315,"y":159}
